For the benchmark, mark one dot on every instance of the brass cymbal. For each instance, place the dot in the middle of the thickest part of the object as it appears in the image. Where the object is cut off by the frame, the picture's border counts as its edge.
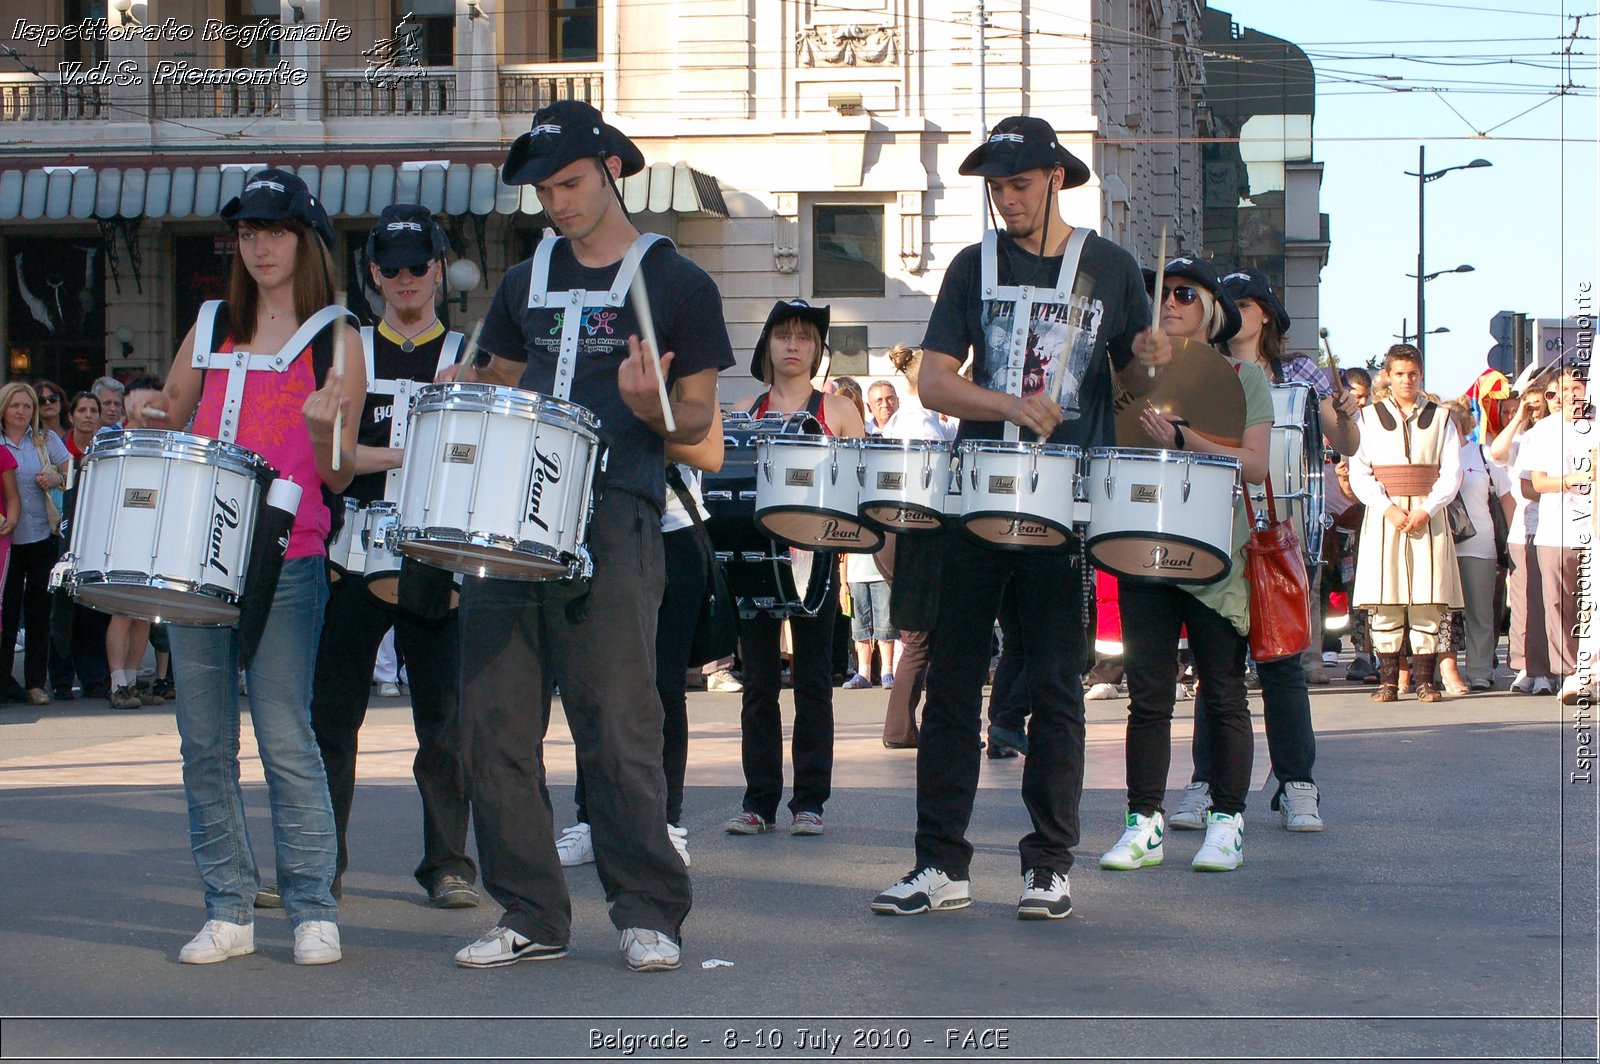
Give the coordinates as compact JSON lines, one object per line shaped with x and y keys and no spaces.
{"x":1198,"y":387}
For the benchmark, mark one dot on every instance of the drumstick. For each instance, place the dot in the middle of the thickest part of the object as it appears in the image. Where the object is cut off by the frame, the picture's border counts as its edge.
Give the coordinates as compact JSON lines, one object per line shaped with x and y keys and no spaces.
{"x":470,"y":352}
{"x":338,"y":369}
{"x":1161,"y":277}
{"x":647,"y":330}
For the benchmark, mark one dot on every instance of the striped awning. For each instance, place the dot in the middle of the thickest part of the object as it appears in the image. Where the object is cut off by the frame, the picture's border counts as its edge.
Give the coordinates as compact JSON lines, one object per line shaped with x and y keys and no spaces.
{"x":58,"y":192}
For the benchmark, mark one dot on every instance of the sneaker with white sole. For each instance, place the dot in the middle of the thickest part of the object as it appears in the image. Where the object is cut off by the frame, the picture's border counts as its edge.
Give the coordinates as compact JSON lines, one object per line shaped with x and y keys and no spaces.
{"x":680,"y":841}
{"x":1223,"y":850}
{"x":1297,"y":805}
{"x":650,"y":951}
{"x":1046,"y":895}
{"x":452,"y":892}
{"x":576,"y":846}
{"x":1523,"y":684}
{"x":722,"y":681}
{"x":388,"y":690}
{"x":806,"y":824}
{"x":1192,"y":809}
{"x":1101,"y":691}
{"x":748,"y":824}
{"x":217,"y":941}
{"x":1543,"y":686}
{"x":501,"y":946}
{"x":1572,"y":690}
{"x":1330,"y":659}
{"x":923,"y":890}
{"x":1140,"y":845}
{"x":317,"y":942}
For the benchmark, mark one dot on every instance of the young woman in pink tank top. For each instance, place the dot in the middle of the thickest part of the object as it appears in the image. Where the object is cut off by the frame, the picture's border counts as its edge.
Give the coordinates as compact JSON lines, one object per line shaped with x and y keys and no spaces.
{"x":280,"y":279}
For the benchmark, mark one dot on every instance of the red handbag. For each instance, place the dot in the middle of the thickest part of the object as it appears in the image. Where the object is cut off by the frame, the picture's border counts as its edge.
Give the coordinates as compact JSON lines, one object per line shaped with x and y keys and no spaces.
{"x":1280,"y":592}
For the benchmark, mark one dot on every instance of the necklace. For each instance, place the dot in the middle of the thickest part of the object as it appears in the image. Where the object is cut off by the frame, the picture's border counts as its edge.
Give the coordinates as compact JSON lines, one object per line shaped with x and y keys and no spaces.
{"x":406,"y":344}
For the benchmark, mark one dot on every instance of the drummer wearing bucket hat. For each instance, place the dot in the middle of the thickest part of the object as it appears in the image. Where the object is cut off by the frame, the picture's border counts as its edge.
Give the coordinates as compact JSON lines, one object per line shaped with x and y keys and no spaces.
{"x":1053,"y":316}
{"x":561,"y":324}
{"x":405,"y":254}
{"x":257,"y":372}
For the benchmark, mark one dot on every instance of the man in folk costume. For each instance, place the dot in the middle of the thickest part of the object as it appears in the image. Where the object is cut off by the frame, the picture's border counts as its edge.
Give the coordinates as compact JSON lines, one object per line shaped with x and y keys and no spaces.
{"x":1406,"y":472}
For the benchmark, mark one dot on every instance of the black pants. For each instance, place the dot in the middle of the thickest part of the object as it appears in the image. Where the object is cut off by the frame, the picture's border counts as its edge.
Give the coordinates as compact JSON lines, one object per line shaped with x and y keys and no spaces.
{"x":761,"y":723}
{"x":602,"y":650}
{"x":1049,"y":591}
{"x":1152,"y":616}
{"x":688,"y":568}
{"x":1286,"y":712}
{"x":353,"y":627}
{"x":27,"y":605}
{"x":1008,"y":697}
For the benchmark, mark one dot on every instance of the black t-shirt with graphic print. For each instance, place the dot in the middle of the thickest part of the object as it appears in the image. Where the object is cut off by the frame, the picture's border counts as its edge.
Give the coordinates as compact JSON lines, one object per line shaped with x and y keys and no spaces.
{"x":1109,"y":308}
{"x":688,"y":319}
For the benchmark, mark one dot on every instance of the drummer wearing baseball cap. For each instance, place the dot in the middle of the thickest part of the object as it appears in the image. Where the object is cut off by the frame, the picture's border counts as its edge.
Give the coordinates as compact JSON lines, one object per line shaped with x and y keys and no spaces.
{"x":1049,"y":340}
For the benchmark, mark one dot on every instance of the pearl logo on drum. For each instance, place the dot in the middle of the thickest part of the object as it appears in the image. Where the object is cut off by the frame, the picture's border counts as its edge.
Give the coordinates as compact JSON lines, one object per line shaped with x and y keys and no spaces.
{"x":1144,"y":493}
{"x":891,"y":481}
{"x":798,"y":478}
{"x":1022,"y":528}
{"x":1163,"y":560}
{"x":461,"y":453}
{"x":140,"y":498}
{"x":548,"y":470}
{"x":832,"y":532}
{"x":1002,"y":485}
{"x":224,"y":517}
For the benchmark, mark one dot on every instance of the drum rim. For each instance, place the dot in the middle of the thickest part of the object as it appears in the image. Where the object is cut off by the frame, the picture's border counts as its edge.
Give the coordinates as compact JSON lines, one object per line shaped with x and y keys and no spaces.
{"x":1144,"y":453}
{"x":805,"y":440}
{"x":519,"y":402}
{"x":161,"y":443}
{"x":110,"y":578}
{"x":440,"y":535}
{"x":1091,"y":541}
{"x":883,"y":443}
{"x":1064,"y":450}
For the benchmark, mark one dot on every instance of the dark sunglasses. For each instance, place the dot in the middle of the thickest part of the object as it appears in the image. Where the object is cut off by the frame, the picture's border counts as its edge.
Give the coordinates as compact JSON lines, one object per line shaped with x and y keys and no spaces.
{"x":1184,"y":294}
{"x":1551,"y":394}
{"x":415,"y":271}
{"x":47,"y":398}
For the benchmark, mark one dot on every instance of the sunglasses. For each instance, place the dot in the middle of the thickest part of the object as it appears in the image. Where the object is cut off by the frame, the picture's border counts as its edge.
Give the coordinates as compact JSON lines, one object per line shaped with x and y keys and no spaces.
{"x":49,"y":398}
{"x":1551,"y":394}
{"x":1183,"y":294}
{"x":415,"y":271}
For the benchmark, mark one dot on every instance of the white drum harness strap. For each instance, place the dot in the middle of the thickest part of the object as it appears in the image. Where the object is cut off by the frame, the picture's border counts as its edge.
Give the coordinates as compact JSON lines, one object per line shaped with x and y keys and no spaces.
{"x":1023,"y":298}
{"x":402,"y":391}
{"x":572,"y":301}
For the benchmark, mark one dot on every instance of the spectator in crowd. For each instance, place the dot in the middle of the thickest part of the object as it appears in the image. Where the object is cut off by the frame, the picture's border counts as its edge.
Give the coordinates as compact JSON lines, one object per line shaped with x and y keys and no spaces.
{"x":127,"y":637}
{"x":110,"y":392}
{"x":88,"y":627}
{"x":882,"y":402}
{"x":1528,"y":645}
{"x":52,"y":407}
{"x":869,"y":619}
{"x":849,"y":388}
{"x":1485,"y":488}
{"x":41,"y":463}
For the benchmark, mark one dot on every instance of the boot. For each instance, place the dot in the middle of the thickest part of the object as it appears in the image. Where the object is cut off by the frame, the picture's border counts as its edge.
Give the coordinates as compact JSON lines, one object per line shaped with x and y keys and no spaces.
{"x":1422,"y":666}
{"x":1388,"y":678}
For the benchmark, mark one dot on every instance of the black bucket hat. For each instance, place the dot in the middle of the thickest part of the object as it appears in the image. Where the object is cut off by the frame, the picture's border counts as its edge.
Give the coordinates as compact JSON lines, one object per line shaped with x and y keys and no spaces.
{"x":1251,"y":283}
{"x":274,"y":195}
{"x":406,"y":235}
{"x":1022,"y":143}
{"x":1202,"y":273}
{"x":563,"y":133}
{"x":782,"y":311}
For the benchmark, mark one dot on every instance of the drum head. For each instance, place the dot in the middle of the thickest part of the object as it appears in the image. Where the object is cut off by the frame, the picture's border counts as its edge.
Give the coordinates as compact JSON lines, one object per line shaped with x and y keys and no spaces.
{"x":143,"y":602}
{"x":812,"y":529}
{"x":1014,"y":531}
{"x":470,"y":559}
{"x":1158,"y":559}
{"x":385,"y":587}
{"x":903,"y":517}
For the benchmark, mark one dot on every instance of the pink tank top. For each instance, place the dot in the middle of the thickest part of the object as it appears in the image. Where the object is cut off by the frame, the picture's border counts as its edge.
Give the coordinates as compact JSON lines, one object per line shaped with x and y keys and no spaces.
{"x":274,"y":427}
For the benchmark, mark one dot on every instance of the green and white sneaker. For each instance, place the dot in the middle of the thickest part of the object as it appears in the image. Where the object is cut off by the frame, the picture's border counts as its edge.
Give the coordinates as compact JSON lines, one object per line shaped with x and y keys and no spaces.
{"x":1139,"y":846}
{"x":1223,"y":850}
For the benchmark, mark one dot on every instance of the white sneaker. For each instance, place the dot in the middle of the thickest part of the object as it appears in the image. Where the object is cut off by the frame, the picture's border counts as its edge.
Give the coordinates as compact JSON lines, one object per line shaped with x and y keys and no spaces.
{"x":217,"y":941}
{"x":576,"y":846}
{"x":1140,"y":845}
{"x":722,"y":680}
{"x":680,"y":841}
{"x":1223,"y":850}
{"x":1543,"y":686}
{"x":1297,"y":805}
{"x":316,"y":942}
{"x":650,"y":951}
{"x":1330,"y":658}
{"x":500,"y":946}
{"x":388,"y":690}
{"x":1046,"y":895}
{"x":1572,"y":690}
{"x":1101,"y":691}
{"x":1192,"y":810}
{"x":923,"y":890}
{"x":1523,"y":684}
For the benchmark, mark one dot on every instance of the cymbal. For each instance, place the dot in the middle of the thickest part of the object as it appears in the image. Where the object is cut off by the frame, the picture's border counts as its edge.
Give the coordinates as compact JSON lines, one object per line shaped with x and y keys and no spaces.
{"x":1199,"y":388}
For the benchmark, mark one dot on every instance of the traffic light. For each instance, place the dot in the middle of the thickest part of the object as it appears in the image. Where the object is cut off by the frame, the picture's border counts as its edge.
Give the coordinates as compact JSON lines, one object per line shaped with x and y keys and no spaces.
{"x":1513,"y":342}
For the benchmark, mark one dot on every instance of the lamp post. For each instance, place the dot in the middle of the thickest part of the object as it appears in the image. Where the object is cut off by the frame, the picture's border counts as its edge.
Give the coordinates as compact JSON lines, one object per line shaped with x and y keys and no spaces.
{"x":1423,"y":177}
{"x":1406,"y":337}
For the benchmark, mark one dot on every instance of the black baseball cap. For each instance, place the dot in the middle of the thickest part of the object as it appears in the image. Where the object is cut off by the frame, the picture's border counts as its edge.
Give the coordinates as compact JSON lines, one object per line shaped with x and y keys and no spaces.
{"x":1202,"y":273}
{"x":275,"y":195}
{"x":563,"y":133}
{"x":1023,"y":143}
{"x":1251,"y":283}
{"x":782,"y":311}
{"x":406,"y":235}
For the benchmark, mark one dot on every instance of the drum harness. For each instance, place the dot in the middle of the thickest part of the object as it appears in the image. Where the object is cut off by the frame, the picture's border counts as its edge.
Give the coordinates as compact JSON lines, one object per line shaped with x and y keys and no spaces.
{"x":403,"y":391}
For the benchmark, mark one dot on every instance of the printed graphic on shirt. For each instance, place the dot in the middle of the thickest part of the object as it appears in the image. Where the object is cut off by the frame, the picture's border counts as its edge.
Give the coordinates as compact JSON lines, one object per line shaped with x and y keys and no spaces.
{"x":1061,"y":339}
{"x":599,"y":331}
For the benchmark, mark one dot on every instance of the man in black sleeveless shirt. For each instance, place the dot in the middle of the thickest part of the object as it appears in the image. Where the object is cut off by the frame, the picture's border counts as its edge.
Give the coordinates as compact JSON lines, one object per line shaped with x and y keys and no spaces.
{"x":406,"y":253}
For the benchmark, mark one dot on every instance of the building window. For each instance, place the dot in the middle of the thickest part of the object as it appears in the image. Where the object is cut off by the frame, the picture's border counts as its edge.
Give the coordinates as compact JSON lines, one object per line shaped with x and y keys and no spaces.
{"x":263,"y":50}
{"x":847,"y":250}
{"x":78,"y":50}
{"x":436,"y":29}
{"x":574,"y":31}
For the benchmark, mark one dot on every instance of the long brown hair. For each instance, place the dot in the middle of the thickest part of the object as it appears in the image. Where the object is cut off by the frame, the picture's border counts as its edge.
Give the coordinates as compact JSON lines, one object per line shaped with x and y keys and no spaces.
{"x":313,"y":267}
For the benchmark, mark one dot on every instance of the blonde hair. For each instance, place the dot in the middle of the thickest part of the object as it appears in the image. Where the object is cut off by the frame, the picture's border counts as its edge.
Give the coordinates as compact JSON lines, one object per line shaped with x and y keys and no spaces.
{"x":1460,"y":409}
{"x":9,"y":392}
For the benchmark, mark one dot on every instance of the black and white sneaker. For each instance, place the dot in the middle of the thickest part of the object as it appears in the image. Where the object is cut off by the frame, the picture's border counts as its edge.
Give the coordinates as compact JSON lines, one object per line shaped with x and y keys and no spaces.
{"x":923,"y":890}
{"x":1046,"y":895}
{"x":500,"y":946}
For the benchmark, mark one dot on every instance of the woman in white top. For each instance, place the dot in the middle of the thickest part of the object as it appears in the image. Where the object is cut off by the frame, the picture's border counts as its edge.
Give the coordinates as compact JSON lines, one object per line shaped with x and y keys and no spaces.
{"x":1528,"y":653}
{"x":1483,"y":485}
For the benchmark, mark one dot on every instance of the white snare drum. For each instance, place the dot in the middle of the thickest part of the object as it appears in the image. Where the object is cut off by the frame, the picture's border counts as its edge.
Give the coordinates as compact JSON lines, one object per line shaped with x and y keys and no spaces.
{"x":807,"y":493}
{"x":904,"y":483}
{"x":498,"y":482}
{"x":380,"y":563}
{"x":163,"y":526}
{"x":1295,"y":461}
{"x":1161,"y":516}
{"x":1019,"y":495}
{"x":348,"y":539}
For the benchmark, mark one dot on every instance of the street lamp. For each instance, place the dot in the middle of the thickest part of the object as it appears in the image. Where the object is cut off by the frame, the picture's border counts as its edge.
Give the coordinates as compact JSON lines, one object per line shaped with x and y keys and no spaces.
{"x":1406,"y":337}
{"x":1463,"y":268}
{"x":1423,"y":177}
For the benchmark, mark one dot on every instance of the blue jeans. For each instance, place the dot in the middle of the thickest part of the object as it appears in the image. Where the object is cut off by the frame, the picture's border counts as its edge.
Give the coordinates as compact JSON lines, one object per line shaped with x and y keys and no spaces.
{"x":205,"y":663}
